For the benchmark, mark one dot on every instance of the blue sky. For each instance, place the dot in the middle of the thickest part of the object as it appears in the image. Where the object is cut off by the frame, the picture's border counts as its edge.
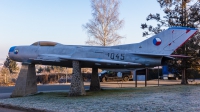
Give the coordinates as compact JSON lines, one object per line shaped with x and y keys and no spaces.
{"x":23,"y":22}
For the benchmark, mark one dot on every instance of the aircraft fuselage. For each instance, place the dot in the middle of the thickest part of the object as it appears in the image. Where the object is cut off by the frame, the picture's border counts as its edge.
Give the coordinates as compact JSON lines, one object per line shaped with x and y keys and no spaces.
{"x":27,"y":53}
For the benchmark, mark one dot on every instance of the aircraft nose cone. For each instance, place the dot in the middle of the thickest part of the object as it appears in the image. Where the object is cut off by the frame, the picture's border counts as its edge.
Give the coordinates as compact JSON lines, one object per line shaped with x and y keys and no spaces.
{"x":11,"y":51}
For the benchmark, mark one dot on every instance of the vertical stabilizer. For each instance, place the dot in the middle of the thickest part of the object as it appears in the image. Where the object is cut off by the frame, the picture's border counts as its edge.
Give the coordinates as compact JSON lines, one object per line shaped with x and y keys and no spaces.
{"x":165,"y":42}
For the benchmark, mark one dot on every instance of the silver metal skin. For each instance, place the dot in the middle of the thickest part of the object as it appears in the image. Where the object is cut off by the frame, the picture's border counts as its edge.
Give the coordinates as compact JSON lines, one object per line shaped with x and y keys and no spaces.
{"x":149,"y":53}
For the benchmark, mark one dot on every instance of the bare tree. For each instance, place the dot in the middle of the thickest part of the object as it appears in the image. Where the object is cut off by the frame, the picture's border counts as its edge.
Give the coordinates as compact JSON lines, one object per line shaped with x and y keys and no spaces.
{"x":102,"y":29}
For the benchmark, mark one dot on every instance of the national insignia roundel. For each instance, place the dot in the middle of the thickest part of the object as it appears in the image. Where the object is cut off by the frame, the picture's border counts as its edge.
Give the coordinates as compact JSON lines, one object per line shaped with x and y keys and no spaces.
{"x":157,"y":41}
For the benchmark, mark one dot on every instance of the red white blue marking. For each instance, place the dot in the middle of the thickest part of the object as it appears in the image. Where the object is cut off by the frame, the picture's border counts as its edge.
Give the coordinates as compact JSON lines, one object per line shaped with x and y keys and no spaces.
{"x":157,"y":41}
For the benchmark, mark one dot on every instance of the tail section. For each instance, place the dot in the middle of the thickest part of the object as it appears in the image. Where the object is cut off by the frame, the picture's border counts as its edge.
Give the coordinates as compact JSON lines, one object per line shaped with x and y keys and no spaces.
{"x":165,"y":42}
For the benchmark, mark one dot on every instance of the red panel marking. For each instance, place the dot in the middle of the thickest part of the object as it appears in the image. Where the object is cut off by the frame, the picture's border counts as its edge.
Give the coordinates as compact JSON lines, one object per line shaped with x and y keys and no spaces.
{"x":187,"y":31}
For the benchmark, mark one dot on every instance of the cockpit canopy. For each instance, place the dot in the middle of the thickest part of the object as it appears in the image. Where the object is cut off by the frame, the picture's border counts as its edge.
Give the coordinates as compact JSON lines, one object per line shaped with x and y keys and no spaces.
{"x":44,"y":43}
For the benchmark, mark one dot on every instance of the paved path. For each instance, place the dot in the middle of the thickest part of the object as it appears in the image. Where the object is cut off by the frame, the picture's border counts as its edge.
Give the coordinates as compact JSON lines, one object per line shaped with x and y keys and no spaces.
{"x":66,"y":86}
{"x":5,"y":92}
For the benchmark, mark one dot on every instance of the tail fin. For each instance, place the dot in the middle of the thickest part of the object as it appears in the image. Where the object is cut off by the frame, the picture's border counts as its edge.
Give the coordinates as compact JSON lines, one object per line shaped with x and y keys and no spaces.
{"x":165,"y":42}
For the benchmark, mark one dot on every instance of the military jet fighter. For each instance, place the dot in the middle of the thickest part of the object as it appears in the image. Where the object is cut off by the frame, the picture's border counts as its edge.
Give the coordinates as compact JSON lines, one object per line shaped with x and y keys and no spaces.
{"x":148,"y":53}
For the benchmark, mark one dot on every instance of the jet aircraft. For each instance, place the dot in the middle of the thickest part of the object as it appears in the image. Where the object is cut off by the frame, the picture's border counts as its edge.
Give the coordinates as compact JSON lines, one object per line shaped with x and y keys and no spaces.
{"x":151,"y":52}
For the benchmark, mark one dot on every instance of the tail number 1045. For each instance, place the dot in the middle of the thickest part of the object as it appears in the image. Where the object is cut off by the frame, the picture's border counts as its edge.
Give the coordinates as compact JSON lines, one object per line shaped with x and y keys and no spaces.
{"x":116,"y":56}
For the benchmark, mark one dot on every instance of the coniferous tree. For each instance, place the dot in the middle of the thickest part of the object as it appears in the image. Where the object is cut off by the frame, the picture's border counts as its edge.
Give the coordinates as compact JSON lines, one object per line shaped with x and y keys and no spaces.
{"x":11,"y":65}
{"x":179,"y":13}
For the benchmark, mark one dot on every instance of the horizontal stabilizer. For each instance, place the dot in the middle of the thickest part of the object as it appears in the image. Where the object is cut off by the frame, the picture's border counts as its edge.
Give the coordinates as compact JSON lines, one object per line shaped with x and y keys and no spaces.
{"x":180,"y":56}
{"x":149,"y":54}
{"x":164,"y":55}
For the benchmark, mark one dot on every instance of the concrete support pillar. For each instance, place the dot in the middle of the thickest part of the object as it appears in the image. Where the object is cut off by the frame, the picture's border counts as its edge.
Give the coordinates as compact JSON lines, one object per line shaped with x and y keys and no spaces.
{"x":94,"y":84}
{"x":77,"y":86}
{"x":26,"y":83}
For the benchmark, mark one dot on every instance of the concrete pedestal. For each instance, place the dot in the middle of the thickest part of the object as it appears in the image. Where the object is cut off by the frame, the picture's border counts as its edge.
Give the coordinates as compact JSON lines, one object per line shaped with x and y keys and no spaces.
{"x":95,"y":85}
{"x":26,"y":82}
{"x":77,"y":86}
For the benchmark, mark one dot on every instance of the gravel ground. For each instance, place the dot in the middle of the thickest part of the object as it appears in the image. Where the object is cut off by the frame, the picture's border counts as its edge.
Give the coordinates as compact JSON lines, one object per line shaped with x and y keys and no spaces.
{"x":166,"y":98}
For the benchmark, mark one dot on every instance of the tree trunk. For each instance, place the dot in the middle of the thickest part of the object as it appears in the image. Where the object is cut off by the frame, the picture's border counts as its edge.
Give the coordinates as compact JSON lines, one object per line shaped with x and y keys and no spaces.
{"x":5,"y":76}
{"x":184,"y":80}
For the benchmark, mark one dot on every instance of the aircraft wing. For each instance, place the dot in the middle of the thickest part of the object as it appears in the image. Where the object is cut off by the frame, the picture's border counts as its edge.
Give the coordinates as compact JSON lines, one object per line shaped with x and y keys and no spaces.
{"x":58,"y":58}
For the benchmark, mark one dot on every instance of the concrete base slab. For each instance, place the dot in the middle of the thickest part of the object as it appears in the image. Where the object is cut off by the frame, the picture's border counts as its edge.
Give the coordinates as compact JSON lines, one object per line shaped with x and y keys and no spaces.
{"x":26,"y":82}
{"x":77,"y":86}
{"x":95,"y":84}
